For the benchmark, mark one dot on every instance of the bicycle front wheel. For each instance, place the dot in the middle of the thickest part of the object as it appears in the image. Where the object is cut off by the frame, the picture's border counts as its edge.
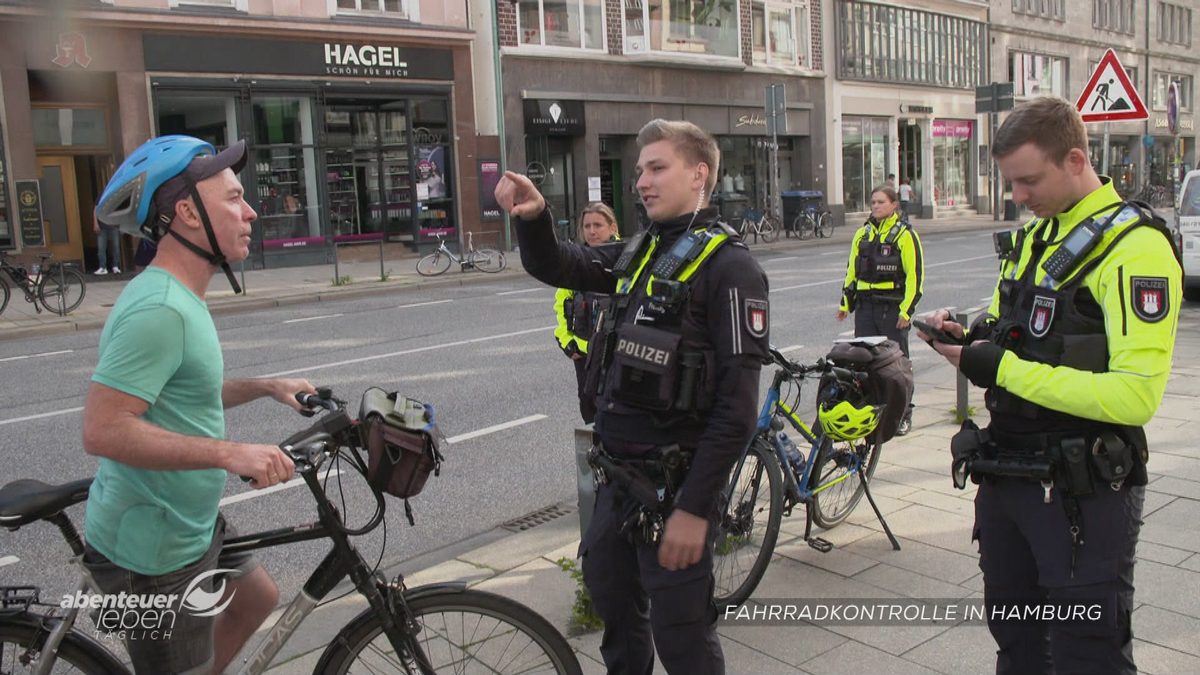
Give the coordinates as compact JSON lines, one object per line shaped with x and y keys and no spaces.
{"x":769,"y":229}
{"x":489,"y":260}
{"x":433,"y":264}
{"x":751,"y":509}
{"x":62,"y":289}
{"x":835,"y":483}
{"x":464,"y":632}
{"x":825,"y":225}
{"x":21,"y":643}
{"x":804,"y":226}
{"x":4,"y":295}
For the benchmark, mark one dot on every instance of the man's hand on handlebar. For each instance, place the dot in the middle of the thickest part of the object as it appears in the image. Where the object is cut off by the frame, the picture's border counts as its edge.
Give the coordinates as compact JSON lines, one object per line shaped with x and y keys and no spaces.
{"x":285,"y":391}
{"x":264,"y":465}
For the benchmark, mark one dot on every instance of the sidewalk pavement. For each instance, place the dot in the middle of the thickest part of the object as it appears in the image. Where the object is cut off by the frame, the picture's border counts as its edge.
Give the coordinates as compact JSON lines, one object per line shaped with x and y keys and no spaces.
{"x":298,"y":285}
{"x":938,"y":560}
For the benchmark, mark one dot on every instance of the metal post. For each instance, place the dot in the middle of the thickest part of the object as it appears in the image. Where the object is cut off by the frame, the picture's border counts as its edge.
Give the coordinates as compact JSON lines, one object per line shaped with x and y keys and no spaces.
{"x":242,"y":269}
{"x":62,"y":290}
{"x":337,"y":274}
{"x":964,"y":404}
{"x":776,"y":204}
{"x":1104,"y":163}
{"x":997,"y":181}
{"x":381,"y":273}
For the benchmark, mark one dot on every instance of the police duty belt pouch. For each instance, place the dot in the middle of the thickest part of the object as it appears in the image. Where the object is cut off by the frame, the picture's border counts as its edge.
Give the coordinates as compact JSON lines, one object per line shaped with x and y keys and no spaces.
{"x":403,"y":443}
{"x":889,"y":378}
{"x":644,"y":369}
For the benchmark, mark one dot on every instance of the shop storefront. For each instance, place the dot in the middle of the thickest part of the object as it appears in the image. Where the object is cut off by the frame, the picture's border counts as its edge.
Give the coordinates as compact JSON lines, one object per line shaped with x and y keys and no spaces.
{"x":1122,"y":161}
{"x":952,"y":154}
{"x":865,"y":161}
{"x":331,"y":162}
{"x":6,"y":220}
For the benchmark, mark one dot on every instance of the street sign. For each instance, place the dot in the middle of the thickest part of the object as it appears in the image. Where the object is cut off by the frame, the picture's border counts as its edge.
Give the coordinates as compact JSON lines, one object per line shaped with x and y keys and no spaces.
{"x":776,"y":110}
{"x":29,"y":212}
{"x":536,"y":173}
{"x":1110,"y":95}
{"x":994,"y":97}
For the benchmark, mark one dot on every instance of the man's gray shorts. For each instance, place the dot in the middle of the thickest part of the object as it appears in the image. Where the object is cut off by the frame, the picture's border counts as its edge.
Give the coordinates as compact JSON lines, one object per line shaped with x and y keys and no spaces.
{"x":171,"y":640}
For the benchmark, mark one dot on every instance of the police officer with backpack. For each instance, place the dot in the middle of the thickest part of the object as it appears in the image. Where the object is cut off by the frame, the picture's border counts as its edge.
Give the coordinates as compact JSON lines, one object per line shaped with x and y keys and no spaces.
{"x":1074,"y":353}
{"x":885,"y":277}
{"x":674,"y":365}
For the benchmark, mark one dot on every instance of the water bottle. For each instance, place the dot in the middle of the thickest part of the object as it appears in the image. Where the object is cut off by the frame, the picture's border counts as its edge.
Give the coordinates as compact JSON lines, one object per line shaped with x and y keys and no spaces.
{"x":791,"y":453}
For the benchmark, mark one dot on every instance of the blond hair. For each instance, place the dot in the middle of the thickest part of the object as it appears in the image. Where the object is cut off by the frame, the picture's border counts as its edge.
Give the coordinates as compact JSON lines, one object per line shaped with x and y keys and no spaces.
{"x":1052,"y":124}
{"x":695,"y":144}
{"x":603,"y":209}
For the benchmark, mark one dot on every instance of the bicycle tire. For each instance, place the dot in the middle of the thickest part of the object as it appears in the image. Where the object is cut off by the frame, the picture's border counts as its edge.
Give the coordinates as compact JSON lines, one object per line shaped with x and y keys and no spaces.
{"x":831,"y":505}
{"x":78,"y":652}
{"x":5,"y":295}
{"x":433,"y":264}
{"x":51,"y":288}
{"x":769,"y":229}
{"x":364,"y":637}
{"x":804,"y":226}
{"x":735,"y":575}
{"x":489,"y":260}
{"x":825,"y":225}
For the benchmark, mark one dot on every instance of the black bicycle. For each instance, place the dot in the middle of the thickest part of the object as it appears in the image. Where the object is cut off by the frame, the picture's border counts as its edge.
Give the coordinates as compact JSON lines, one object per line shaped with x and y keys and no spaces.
{"x":438,"y":628}
{"x":56,"y":286}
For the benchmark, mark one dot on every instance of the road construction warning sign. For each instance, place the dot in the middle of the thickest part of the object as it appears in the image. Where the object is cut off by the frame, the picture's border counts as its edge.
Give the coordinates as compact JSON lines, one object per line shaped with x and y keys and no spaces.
{"x":1109,"y":95}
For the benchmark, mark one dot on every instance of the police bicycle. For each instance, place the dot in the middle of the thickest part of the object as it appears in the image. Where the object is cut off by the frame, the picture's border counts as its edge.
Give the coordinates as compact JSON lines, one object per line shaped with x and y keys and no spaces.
{"x":58,"y":287}
{"x":485,"y":259}
{"x":773,"y":476}
{"x":438,"y":628}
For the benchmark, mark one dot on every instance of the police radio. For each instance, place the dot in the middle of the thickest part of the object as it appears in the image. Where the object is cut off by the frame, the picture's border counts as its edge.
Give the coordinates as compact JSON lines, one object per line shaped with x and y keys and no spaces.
{"x":1079,"y":242}
{"x":686,"y":249}
{"x":1003,"y":241}
{"x":632,"y":251}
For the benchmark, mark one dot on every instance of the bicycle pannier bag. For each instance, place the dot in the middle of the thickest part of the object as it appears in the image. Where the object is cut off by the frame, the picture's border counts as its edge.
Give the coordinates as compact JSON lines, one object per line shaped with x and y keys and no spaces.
{"x":889,"y":378}
{"x":403,"y":443}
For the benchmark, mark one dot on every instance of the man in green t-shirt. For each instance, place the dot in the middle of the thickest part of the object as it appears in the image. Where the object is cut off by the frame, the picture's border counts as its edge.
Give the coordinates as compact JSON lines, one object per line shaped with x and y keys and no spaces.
{"x":155,"y":411}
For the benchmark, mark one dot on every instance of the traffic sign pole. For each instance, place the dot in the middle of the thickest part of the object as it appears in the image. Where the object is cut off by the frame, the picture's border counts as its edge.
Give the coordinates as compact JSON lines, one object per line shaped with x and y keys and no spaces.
{"x":1104,"y":163}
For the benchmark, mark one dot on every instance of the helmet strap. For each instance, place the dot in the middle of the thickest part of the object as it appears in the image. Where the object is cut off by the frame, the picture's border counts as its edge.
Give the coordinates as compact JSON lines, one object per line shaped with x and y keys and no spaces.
{"x":215,"y":257}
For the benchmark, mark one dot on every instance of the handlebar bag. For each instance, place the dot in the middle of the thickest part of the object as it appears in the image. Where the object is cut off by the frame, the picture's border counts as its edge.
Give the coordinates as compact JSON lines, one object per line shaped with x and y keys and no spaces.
{"x":402,"y":440}
{"x":889,"y":379}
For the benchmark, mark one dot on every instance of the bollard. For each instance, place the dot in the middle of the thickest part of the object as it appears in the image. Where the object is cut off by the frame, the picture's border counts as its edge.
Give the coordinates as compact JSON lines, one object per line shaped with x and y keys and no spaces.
{"x":381,"y":272}
{"x":584,"y":480}
{"x":964,"y":404}
{"x":337,"y":272}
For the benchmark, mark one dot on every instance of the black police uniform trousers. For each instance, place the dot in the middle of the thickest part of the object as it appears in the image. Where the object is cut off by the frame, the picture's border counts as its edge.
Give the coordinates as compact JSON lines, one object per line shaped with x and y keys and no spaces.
{"x":1025,"y":556}
{"x":587,"y":402}
{"x":645,"y":606}
{"x":877,"y":316}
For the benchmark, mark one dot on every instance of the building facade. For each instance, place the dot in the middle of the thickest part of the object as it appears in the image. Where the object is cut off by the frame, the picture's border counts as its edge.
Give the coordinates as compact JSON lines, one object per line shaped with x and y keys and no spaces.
{"x":359,"y":114}
{"x":1052,"y":47}
{"x":581,"y":78}
{"x":902,"y":103}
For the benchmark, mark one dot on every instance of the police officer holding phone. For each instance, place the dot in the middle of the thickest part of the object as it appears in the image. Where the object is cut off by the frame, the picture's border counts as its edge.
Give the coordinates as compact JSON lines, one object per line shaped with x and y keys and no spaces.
{"x":1074,"y":353}
{"x":674,"y":365}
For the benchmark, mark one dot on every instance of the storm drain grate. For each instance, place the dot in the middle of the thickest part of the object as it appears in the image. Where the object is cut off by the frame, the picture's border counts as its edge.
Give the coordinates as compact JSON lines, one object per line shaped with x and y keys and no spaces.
{"x":539,"y":517}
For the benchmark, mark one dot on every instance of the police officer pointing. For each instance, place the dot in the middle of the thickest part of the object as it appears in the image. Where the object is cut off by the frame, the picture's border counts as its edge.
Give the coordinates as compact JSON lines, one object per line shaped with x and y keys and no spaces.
{"x":1075,"y":352}
{"x":674,"y":364}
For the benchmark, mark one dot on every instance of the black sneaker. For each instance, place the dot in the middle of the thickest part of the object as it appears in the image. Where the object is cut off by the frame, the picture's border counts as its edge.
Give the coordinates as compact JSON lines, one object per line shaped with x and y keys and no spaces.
{"x":905,"y":426}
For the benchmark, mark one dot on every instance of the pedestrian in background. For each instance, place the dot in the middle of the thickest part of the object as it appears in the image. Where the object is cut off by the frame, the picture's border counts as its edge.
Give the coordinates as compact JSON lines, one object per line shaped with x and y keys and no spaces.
{"x":108,"y":240}
{"x":885,"y":277}
{"x":577,"y":311}
{"x":1074,"y":352}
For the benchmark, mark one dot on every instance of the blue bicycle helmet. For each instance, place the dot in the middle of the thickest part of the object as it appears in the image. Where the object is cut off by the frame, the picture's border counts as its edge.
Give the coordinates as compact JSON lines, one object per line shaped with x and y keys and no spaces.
{"x":127,"y":201}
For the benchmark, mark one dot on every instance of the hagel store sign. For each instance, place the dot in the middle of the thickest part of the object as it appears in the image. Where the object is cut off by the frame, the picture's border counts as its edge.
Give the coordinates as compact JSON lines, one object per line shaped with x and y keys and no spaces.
{"x":194,"y":54}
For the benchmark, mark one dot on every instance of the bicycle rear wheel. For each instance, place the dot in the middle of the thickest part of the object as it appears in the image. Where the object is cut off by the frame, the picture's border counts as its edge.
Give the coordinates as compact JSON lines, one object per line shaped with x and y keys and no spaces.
{"x":433,"y":264}
{"x":5,"y":293}
{"x":769,"y":229}
{"x":825,"y":225}
{"x":804,"y":226}
{"x":751,"y":509}
{"x":62,"y":289}
{"x":834,"y":481}
{"x":489,"y":260}
{"x":460,"y":632}
{"x":21,"y":642}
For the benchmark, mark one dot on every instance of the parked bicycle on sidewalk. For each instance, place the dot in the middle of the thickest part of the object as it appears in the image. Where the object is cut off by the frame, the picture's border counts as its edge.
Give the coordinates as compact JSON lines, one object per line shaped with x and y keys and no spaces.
{"x":759,"y":223}
{"x":56,"y":286}
{"x":438,"y":628}
{"x":485,"y":259}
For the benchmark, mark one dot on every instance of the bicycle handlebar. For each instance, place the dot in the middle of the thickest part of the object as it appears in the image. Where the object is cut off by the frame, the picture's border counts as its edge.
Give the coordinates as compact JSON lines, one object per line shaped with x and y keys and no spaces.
{"x":821,"y":366}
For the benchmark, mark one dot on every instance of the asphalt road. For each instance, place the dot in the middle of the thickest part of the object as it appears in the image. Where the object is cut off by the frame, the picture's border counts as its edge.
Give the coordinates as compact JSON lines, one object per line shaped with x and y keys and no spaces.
{"x":484,"y":355}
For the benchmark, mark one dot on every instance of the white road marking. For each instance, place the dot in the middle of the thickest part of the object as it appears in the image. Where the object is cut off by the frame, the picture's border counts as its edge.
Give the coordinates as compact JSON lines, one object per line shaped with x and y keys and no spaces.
{"x":814,"y":283}
{"x":527,"y":290}
{"x":426,"y":304}
{"x":988,"y":299}
{"x":846,"y":334}
{"x":972,"y":310}
{"x":9,"y":560}
{"x":786,"y":257}
{"x":41,"y":415}
{"x":790,"y":349}
{"x":959,"y":262}
{"x":403,"y":352}
{"x":312,"y":318}
{"x":493,"y":429}
{"x":294,"y":482}
{"x":954,"y":238}
{"x":830,"y":253}
{"x":35,"y":356}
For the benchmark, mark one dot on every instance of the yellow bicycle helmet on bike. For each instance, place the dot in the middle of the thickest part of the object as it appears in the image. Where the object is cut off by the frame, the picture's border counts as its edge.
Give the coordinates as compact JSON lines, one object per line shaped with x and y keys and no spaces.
{"x":844,"y":413}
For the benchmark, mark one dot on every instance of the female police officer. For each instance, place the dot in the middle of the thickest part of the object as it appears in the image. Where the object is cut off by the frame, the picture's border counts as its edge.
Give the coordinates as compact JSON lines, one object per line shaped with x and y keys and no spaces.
{"x":1074,"y":352}
{"x":675,"y":365}
{"x":885,"y":277}
{"x":577,"y":312}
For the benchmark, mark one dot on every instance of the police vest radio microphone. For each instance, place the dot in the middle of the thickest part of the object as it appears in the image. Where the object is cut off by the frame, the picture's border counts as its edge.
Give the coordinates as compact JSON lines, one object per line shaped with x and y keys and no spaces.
{"x":686,"y":249}
{"x":1079,"y":242}
{"x":633,"y":250}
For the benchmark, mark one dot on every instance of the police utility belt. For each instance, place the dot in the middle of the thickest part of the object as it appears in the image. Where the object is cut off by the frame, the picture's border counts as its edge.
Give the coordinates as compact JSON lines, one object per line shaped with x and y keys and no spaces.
{"x":651,"y":480}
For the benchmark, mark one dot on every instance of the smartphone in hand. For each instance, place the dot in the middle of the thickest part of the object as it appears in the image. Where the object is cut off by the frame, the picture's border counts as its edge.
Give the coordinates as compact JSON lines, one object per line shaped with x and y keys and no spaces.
{"x":937,"y":334}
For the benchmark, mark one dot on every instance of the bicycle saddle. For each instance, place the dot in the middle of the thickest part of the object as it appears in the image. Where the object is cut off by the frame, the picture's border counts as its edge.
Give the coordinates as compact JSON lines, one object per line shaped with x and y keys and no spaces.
{"x":25,"y":501}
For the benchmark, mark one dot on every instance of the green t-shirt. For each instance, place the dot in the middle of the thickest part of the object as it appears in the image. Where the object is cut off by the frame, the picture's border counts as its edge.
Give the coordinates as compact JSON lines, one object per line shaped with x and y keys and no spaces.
{"x":160,"y":345}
